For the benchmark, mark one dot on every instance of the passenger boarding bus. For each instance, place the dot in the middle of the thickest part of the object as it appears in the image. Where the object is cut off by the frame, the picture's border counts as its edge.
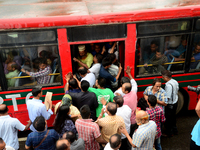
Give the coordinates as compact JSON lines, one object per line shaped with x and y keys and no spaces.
{"x":31,"y":30}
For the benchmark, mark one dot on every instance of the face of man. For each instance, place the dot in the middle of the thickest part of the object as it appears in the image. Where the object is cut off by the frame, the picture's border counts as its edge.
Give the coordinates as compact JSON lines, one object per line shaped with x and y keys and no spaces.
{"x":97,"y":48}
{"x":197,"y":49}
{"x":95,"y":59}
{"x":2,"y":146}
{"x":9,"y":68}
{"x":157,"y":86}
{"x":164,"y":78}
{"x":42,"y":66}
{"x":153,"y":47}
{"x":82,"y":53}
{"x":158,"y":55}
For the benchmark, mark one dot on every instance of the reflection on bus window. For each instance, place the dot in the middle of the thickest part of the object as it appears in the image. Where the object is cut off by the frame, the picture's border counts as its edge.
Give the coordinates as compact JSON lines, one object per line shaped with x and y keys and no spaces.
{"x":30,"y":65}
{"x":91,"y":55}
{"x":160,"y":53}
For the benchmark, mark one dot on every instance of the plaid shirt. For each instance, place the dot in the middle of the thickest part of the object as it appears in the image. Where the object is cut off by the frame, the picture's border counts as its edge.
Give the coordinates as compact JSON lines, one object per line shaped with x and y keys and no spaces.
{"x":88,"y":131}
{"x":161,"y":94}
{"x":34,"y":139}
{"x":43,"y":75}
{"x":143,"y":137}
{"x":157,"y":115}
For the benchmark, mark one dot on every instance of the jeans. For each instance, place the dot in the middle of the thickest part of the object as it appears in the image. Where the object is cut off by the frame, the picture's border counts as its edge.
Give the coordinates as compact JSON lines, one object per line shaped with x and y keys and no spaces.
{"x":157,"y":144}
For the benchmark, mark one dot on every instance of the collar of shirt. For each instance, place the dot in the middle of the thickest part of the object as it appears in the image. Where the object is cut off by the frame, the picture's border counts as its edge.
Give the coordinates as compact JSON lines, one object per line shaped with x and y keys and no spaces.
{"x":3,"y":117}
{"x":87,"y":120}
{"x":37,"y":100}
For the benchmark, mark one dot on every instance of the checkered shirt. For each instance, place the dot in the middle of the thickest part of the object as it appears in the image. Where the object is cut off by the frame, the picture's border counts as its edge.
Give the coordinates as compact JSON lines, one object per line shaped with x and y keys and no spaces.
{"x":42,"y":76}
{"x":157,"y":115}
{"x":110,"y":125}
{"x":88,"y":131}
{"x":161,"y":94}
{"x":143,"y":137}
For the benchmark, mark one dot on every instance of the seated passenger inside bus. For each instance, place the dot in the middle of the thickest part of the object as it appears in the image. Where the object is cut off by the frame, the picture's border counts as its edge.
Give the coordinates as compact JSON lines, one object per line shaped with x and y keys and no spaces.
{"x":12,"y":72}
{"x":195,"y":57}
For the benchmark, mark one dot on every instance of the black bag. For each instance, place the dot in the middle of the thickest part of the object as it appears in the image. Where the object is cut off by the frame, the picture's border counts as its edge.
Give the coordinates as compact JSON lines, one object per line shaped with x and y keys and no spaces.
{"x":142,"y":103}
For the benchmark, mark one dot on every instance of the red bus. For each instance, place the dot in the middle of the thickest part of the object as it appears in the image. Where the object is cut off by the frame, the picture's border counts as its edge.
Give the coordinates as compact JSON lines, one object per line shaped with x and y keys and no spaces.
{"x":33,"y":29}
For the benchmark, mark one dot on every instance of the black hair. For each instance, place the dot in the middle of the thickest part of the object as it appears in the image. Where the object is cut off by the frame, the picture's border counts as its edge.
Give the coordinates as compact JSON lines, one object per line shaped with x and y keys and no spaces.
{"x":152,"y":100}
{"x":156,"y":80}
{"x":36,"y":90}
{"x":198,"y":44}
{"x":85,"y":85}
{"x":112,"y":108}
{"x":63,"y":146}
{"x":166,"y":73}
{"x":124,"y":80}
{"x":82,"y":70}
{"x":128,"y":87}
{"x":43,"y":61}
{"x":62,"y":115}
{"x":159,"y":51}
{"x":183,"y":37}
{"x":101,"y":81}
{"x":112,"y":56}
{"x":39,"y":123}
{"x":70,"y":136}
{"x":85,"y":111}
{"x":117,"y":142}
{"x":154,"y":42}
{"x":106,"y":62}
{"x":119,"y":100}
{"x":1,"y":140}
{"x":14,"y":65}
{"x":73,"y":83}
{"x":99,"y":57}
{"x":4,"y":111}
{"x":14,"y":53}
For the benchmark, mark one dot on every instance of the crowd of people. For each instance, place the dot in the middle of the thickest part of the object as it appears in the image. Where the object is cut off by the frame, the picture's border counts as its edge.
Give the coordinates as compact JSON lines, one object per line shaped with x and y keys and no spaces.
{"x":94,"y":114}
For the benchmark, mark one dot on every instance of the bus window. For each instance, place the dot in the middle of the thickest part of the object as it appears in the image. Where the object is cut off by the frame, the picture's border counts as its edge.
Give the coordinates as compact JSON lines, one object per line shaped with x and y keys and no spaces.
{"x":161,"y":53}
{"x":23,"y":55}
{"x":195,"y":59}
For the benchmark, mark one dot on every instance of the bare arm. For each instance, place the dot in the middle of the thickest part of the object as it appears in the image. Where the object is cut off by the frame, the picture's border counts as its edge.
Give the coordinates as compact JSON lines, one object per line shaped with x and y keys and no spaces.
{"x":81,"y":63}
{"x":145,"y":97}
{"x":79,"y":83}
{"x":128,"y":72}
{"x":28,"y":125}
{"x":101,"y":140}
{"x":27,"y":147}
{"x":197,"y":109}
{"x":67,"y":78}
{"x":120,"y":70}
{"x":113,"y":47}
{"x":161,"y":103}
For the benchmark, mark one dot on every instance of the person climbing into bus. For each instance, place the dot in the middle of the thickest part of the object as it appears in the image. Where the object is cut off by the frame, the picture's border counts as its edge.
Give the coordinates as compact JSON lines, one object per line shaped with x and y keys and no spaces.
{"x":42,"y":75}
{"x":85,"y":59}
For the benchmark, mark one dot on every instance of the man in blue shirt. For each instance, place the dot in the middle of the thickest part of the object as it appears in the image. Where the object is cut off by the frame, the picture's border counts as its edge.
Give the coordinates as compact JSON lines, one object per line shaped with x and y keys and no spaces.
{"x":106,"y":63}
{"x":48,"y":137}
{"x":196,"y":57}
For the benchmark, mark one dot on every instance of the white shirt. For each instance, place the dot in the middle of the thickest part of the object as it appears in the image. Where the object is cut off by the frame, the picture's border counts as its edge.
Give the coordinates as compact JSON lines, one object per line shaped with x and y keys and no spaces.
{"x":172,"y":92}
{"x":9,"y":148}
{"x":125,"y":112}
{"x":9,"y":130}
{"x":90,"y":77}
{"x":134,"y":88}
{"x":95,"y":69}
{"x":37,"y":108}
{"x":107,"y":147}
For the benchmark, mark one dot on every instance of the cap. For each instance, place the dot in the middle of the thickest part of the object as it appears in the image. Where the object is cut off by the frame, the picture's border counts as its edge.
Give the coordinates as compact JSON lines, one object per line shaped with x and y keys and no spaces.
{"x":81,"y":47}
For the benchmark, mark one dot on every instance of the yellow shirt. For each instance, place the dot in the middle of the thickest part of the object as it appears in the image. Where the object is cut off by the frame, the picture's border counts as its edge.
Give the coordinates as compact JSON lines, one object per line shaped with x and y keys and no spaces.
{"x":88,"y":60}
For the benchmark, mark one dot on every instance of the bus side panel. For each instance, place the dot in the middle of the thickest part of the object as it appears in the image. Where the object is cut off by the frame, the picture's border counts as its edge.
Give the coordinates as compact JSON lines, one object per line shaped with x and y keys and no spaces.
{"x":65,"y":53}
{"x":130,"y":45}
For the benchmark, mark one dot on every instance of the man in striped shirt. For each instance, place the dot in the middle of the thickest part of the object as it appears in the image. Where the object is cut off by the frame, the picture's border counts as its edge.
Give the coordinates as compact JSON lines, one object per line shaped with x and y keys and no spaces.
{"x":42,"y":75}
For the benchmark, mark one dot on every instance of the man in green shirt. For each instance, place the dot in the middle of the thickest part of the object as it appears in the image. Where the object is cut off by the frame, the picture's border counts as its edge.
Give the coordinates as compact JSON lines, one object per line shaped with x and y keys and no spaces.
{"x":100,"y":93}
{"x":13,"y":72}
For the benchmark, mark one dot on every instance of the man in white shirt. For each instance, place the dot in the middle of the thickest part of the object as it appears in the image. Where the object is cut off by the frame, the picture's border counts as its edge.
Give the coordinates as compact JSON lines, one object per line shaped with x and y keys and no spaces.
{"x":9,"y":127}
{"x":96,"y":65}
{"x":36,"y":107}
{"x":127,"y":80}
{"x":114,"y":142}
{"x":125,"y":112}
{"x":90,"y":77}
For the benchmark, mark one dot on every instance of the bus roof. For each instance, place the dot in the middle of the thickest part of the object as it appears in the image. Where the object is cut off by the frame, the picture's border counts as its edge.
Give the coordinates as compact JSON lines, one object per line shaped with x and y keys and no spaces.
{"x":10,"y":9}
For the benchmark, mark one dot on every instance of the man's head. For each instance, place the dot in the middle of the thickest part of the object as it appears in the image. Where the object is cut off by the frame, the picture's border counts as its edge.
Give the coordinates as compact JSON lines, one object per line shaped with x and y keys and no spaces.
{"x":37,"y":91}
{"x":166,"y":75}
{"x":101,"y":82}
{"x":97,"y":48}
{"x":73,"y":83}
{"x":152,"y":100}
{"x":2,"y":144}
{"x":156,"y":84}
{"x":111,"y":108}
{"x":115,"y":141}
{"x":106,"y":62}
{"x":126,"y":88}
{"x":3,"y":109}
{"x":39,"y":123}
{"x":159,"y":54}
{"x":124,"y":80}
{"x":12,"y":66}
{"x":118,"y":100}
{"x":98,"y":58}
{"x":43,"y":63}
{"x":85,"y":85}
{"x":154,"y":46}
{"x":85,"y":112}
{"x":82,"y":51}
{"x":82,"y":71}
{"x":197,"y":48}
{"x":112,"y":57}
{"x":141,"y":117}
{"x":62,"y":144}
{"x":70,"y":136}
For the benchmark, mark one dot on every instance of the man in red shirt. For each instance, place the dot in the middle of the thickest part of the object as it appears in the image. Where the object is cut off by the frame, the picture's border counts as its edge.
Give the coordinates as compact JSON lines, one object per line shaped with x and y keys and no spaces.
{"x":88,"y":130}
